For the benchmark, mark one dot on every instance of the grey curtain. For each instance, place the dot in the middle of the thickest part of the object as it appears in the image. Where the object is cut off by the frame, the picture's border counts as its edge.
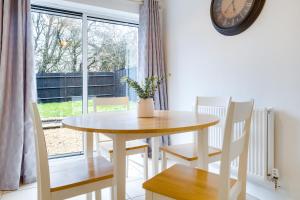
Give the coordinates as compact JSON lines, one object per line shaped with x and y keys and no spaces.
{"x":17,"y":156}
{"x":151,"y":54}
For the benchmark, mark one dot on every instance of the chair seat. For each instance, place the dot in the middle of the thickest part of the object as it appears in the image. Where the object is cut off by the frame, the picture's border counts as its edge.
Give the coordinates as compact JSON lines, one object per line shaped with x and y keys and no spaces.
{"x":73,"y":173}
{"x":188,"y":151}
{"x":130,"y":145}
{"x":185,"y":183}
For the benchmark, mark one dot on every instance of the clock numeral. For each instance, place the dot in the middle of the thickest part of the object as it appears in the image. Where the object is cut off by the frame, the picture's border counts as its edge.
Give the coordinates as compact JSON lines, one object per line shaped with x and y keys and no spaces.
{"x":237,"y":19}
{"x":248,"y":5}
{"x":217,"y":12}
{"x":224,"y":22}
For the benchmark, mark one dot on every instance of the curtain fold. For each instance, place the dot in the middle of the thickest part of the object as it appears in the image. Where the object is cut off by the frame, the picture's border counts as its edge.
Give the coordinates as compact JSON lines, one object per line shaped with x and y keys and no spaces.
{"x":151,"y":53}
{"x":17,"y":91}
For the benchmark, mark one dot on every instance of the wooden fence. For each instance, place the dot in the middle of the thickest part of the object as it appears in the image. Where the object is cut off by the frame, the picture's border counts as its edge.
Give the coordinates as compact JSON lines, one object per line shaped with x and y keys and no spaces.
{"x":61,"y":87}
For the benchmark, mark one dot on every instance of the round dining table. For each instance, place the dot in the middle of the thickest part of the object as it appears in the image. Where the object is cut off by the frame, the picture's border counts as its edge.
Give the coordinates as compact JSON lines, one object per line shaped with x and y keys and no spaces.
{"x":125,"y":126}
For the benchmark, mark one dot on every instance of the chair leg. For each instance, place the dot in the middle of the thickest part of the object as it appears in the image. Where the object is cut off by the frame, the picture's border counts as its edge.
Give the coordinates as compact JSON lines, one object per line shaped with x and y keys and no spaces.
{"x":193,"y":164}
{"x":89,"y":196}
{"x":111,"y":190}
{"x":127,"y":166}
{"x":149,"y":195}
{"x":242,"y":174}
{"x":98,"y":195}
{"x":146,"y":164}
{"x":242,"y":196}
{"x":110,"y":157}
{"x":98,"y":149}
{"x":243,"y":179}
{"x":164,"y":161}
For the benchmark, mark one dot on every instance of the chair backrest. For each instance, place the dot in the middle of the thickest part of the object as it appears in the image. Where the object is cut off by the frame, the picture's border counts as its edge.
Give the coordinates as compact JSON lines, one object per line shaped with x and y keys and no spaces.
{"x":212,"y":105}
{"x":238,"y":112}
{"x":213,"y":101}
{"x":111,"y":101}
{"x":41,"y":156}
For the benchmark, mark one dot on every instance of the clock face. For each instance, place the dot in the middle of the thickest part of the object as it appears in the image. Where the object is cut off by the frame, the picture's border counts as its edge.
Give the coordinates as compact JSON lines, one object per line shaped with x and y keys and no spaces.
{"x":231,"y":13}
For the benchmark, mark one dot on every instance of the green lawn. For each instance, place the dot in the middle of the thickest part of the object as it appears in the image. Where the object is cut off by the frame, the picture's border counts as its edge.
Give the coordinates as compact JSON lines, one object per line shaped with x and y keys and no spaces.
{"x":72,"y":108}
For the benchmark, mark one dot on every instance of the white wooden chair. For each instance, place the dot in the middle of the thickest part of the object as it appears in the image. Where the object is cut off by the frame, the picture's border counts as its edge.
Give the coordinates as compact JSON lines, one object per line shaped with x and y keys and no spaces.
{"x":105,"y":144}
{"x":184,"y":182}
{"x":71,"y":178}
{"x":186,"y":153}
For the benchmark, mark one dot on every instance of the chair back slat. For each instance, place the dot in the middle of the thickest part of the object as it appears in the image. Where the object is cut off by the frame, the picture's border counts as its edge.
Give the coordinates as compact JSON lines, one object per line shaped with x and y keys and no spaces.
{"x":237,"y":112}
{"x":110,"y":101}
{"x":242,"y":111}
{"x":212,"y":105}
{"x":237,"y":147}
{"x":41,"y":156}
{"x":212,"y":101}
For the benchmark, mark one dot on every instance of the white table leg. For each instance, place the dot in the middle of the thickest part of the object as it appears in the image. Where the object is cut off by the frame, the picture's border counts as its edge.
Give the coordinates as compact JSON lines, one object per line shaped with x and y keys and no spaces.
{"x":88,"y":150}
{"x":119,"y":162}
{"x":202,"y":148}
{"x":88,"y":144}
{"x":155,"y":155}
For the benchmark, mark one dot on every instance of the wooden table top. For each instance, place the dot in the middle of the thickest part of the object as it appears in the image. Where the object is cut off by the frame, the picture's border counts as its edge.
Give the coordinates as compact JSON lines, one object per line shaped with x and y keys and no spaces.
{"x":128,"y":122}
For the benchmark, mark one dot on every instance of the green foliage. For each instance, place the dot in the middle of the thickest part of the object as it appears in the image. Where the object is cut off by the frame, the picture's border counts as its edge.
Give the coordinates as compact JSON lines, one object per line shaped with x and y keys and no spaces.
{"x":147,"y":89}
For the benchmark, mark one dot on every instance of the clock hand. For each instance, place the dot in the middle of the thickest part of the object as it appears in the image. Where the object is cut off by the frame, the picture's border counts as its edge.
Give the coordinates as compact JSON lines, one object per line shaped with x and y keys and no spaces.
{"x":233,"y":5}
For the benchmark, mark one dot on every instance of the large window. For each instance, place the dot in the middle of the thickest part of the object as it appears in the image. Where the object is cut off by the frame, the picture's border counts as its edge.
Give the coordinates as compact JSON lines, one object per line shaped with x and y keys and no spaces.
{"x":112,"y":54}
{"x":58,"y":42}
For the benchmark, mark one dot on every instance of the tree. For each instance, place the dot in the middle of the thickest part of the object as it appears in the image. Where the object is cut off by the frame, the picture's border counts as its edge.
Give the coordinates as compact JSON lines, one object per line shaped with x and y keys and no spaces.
{"x":58,"y":44}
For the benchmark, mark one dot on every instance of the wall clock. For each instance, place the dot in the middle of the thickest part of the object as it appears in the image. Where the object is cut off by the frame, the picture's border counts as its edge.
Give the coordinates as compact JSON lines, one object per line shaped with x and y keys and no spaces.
{"x":231,"y":17}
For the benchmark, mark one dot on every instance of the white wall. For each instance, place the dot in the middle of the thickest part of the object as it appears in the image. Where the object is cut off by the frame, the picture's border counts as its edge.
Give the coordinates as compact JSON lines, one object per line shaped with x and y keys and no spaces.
{"x":262,"y":63}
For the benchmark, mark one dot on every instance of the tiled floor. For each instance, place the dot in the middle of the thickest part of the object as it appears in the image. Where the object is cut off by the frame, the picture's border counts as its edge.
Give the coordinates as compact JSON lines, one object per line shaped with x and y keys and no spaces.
{"x":134,"y":189}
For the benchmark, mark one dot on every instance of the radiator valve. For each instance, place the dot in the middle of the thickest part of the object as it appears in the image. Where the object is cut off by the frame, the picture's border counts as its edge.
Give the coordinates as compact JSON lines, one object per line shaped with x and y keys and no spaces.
{"x":275,"y":178}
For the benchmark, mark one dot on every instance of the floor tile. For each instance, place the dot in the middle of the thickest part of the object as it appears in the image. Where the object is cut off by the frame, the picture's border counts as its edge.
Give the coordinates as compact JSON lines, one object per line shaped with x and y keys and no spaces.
{"x":249,"y":197}
{"x":143,"y":198}
{"x":139,"y":198}
{"x":105,"y":196}
{"x":135,"y":188}
{"x":21,"y":194}
{"x":135,"y":173}
{"x":31,"y":194}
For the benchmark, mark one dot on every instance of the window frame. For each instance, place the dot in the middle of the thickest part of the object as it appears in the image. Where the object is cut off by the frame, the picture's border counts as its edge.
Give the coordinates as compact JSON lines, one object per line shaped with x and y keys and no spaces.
{"x":85,"y":17}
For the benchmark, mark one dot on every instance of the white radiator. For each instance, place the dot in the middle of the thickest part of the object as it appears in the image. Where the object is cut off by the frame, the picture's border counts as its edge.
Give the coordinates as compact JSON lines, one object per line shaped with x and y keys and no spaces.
{"x":261,"y":147}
